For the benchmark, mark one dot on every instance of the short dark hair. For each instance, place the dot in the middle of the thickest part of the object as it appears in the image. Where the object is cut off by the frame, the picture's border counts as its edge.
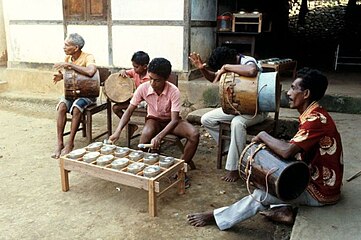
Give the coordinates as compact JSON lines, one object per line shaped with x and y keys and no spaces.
{"x":221,"y":56}
{"x":161,"y":67}
{"x":314,"y":81}
{"x":140,"y":58}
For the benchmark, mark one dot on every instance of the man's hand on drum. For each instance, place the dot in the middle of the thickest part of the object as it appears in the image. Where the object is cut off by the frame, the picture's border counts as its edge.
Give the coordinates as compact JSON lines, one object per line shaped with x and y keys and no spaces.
{"x":123,"y":73}
{"x":219,"y":73}
{"x":196,"y":60}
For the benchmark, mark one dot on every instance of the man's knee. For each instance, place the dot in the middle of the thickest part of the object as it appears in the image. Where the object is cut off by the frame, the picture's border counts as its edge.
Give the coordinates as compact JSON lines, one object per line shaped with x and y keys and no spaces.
{"x":194,"y":135}
{"x":259,"y":194}
{"x":117,"y":109}
{"x":203,"y":120}
{"x":62,"y":108}
{"x":76,"y":111}
{"x":238,"y":125}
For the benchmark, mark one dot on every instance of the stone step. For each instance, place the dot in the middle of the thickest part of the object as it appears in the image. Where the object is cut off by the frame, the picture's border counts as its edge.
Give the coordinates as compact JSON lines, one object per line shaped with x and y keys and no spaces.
{"x":3,"y":86}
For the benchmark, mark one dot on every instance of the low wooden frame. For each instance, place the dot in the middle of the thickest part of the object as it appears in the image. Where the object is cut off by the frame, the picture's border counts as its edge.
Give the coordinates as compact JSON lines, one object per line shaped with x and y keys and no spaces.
{"x":152,"y":185}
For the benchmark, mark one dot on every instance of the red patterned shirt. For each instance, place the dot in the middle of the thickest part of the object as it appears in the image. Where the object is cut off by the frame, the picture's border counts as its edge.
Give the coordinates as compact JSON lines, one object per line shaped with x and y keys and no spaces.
{"x":322,"y":151}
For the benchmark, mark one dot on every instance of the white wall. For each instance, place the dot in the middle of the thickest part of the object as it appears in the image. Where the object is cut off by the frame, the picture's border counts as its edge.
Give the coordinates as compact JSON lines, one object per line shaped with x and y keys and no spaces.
{"x":96,"y":41}
{"x":38,"y":43}
{"x":157,"y":41}
{"x":43,"y":43}
{"x":33,"y":9}
{"x":33,"y":43}
{"x":147,"y":9}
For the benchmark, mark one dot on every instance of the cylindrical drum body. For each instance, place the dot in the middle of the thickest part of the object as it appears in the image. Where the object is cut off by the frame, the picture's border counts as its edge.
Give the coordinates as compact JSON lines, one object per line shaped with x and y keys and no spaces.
{"x":286,"y":179}
{"x":248,"y":95}
{"x":77,"y":85}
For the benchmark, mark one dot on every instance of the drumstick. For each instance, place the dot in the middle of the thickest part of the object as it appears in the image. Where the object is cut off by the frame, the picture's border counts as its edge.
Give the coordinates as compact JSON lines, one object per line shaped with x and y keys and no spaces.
{"x":354,"y":176}
{"x":145,"y":145}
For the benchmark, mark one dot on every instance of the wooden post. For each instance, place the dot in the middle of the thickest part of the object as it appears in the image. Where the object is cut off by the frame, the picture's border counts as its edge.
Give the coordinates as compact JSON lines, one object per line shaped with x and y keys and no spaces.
{"x":64,"y":174}
{"x":152,"y":201}
{"x":181,"y":183}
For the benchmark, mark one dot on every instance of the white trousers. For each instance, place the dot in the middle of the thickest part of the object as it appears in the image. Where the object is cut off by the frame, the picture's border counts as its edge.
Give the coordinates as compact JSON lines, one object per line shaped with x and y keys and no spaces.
{"x":249,"y":206}
{"x":239,"y":124}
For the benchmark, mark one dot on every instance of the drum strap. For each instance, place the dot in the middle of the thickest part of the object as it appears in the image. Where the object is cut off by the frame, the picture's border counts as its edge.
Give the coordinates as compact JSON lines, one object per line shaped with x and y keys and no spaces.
{"x":248,"y":171}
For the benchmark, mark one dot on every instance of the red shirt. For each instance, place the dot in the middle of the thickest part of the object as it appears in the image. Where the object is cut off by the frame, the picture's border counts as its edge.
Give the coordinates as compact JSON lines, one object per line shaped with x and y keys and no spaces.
{"x":136,"y":77}
{"x":322,"y":151}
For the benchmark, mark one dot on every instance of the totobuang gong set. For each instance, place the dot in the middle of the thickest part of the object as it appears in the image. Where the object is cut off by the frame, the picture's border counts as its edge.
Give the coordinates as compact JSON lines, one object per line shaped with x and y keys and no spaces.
{"x":283,"y":178}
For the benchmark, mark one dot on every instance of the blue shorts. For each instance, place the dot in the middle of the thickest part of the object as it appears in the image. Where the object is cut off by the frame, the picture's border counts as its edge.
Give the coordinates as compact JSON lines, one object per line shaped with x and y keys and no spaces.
{"x":80,"y":103}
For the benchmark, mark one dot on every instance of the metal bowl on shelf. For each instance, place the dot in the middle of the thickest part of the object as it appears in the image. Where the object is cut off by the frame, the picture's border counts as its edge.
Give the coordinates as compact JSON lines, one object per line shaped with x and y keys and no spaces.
{"x":75,"y":154}
{"x":105,"y":160}
{"x":151,"y":171}
{"x":91,"y":156}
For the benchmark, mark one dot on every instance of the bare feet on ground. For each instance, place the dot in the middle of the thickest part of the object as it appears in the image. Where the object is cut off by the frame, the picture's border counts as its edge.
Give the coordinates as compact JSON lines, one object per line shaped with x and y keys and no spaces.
{"x":200,"y":219}
{"x":191,"y":165}
{"x":67,"y":149}
{"x":57,"y":151}
{"x":283,"y":215}
{"x":231,"y":176}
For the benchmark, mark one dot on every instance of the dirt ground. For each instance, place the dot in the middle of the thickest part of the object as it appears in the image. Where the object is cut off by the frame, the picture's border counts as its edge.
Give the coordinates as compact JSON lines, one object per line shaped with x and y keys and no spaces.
{"x":34,"y":207}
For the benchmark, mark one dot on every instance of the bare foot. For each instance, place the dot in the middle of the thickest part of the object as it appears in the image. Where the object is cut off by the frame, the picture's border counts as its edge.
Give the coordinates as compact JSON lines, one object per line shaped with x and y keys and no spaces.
{"x":200,"y":219}
{"x":283,"y":215}
{"x":67,"y":149}
{"x":57,"y":151}
{"x":231,"y":176}
{"x":191,"y":165}
{"x":132,"y":129}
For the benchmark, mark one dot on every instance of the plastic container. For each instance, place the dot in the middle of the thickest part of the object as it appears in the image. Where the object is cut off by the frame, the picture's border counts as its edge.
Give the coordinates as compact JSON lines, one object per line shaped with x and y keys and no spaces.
{"x":224,"y":22}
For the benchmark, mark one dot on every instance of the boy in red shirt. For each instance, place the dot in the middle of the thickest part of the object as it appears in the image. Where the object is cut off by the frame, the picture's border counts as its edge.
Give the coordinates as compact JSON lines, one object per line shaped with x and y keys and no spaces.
{"x":139,"y":74}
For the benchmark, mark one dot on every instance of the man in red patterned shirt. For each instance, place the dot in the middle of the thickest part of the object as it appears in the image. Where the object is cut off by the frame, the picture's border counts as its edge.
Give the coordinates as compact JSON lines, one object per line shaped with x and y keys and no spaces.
{"x":317,"y":143}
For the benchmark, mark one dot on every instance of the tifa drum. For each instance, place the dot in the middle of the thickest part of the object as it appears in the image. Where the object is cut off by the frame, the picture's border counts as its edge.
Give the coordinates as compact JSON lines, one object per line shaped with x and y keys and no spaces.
{"x":77,"y":85}
{"x":118,"y":89}
{"x":249,"y":95}
{"x":285,"y":179}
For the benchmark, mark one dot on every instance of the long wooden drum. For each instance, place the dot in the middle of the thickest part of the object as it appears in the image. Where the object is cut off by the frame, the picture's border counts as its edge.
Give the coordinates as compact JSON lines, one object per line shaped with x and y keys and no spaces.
{"x":246,"y":95}
{"x":285,"y":179}
{"x":77,"y":85}
{"x":119,"y":89}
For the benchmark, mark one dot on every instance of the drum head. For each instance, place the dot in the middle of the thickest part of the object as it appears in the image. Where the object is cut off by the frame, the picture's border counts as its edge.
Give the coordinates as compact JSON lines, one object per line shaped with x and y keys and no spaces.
{"x":118,"y":89}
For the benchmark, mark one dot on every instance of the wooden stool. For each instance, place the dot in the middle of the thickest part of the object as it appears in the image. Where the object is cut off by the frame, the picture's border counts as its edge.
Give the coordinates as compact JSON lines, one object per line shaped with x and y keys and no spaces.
{"x":269,"y":125}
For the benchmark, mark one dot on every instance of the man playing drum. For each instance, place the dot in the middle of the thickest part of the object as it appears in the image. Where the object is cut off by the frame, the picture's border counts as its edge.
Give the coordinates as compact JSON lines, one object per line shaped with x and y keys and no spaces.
{"x":223,"y":60}
{"x":139,"y":74}
{"x":317,"y":143}
{"x":84,"y":64}
{"x":163,"y":107}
